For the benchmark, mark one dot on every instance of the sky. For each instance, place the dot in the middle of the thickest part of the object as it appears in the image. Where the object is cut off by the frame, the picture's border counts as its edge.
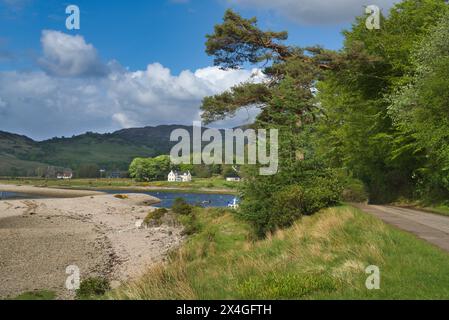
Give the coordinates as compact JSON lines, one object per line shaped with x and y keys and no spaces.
{"x":136,"y":63}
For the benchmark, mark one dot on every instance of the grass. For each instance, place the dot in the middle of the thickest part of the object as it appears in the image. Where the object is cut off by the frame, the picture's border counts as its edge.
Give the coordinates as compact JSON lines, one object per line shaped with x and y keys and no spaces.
{"x":429,"y":206}
{"x":320,"y":257}
{"x":212,"y":185}
{"x":37,"y":295}
{"x":441,"y":209}
{"x":155,"y":217}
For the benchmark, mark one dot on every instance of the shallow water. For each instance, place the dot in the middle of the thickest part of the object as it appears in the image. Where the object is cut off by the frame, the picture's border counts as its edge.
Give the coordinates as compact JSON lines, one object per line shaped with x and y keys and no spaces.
{"x":16,"y":195}
{"x":167,"y":198}
{"x":203,"y":199}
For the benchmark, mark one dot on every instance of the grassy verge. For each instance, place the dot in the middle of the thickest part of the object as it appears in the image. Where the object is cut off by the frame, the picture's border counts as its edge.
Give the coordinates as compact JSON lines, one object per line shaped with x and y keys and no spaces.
{"x":441,"y":209}
{"x":320,"y":257}
{"x":36,"y":295}
{"x":214,"y":185}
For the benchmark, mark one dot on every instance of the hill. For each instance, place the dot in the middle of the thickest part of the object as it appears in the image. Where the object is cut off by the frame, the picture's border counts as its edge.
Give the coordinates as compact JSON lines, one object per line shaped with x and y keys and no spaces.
{"x":21,"y":156}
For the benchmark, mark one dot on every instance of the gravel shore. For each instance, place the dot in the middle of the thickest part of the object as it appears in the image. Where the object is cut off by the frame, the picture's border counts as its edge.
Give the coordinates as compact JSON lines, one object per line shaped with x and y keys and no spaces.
{"x":98,"y":233}
{"x":49,"y":192}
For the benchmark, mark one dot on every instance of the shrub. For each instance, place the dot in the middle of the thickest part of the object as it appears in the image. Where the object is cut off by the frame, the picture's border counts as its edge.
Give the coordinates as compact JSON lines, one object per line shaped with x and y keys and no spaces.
{"x":92,"y":288}
{"x":288,"y":206}
{"x":180,"y":206}
{"x":322,"y":193}
{"x":355,"y":191}
{"x":154,"y":217}
{"x":191,"y":225}
{"x":121,"y":196}
{"x":272,"y":202}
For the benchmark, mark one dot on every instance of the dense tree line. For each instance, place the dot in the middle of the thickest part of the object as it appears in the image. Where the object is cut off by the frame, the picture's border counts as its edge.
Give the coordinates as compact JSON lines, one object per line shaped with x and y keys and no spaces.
{"x":158,"y":168}
{"x":374,"y":111}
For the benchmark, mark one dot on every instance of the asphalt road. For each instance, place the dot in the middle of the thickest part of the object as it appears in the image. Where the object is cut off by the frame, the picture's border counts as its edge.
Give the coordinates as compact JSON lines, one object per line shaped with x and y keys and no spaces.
{"x":427,"y":226}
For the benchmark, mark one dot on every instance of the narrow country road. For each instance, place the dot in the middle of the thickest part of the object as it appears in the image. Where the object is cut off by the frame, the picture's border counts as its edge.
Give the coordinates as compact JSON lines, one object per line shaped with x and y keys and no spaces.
{"x":427,"y":226}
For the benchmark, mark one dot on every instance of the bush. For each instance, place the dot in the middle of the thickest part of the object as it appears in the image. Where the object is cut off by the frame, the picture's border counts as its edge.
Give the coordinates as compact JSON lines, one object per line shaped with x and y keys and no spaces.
{"x":288,"y":206}
{"x":322,"y":193}
{"x":355,"y":191}
{"x":273,"y":202}
{"x":155,"y":217}
{"x":180,"y":206}
{"x":191,"y":225}
{"x":92,"y":288}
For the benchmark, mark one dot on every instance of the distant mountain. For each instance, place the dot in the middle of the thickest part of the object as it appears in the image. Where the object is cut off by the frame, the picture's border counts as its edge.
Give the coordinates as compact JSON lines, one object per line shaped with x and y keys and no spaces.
{"x":21,"y":156}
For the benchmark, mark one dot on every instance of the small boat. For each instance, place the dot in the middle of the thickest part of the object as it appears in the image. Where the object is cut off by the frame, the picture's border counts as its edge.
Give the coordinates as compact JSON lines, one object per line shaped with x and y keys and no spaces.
{"x":234,"y":204}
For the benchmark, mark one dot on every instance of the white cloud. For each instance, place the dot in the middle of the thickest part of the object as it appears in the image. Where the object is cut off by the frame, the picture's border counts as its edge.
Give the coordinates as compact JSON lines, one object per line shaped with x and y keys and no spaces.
{"x":66,"y":55}
{"x":62,"y":101}
{"x":316,"y":11}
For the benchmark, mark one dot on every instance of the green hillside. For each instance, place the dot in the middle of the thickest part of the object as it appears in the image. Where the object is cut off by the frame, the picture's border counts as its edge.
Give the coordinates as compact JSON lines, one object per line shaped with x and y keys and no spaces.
{"x":21,"y":156}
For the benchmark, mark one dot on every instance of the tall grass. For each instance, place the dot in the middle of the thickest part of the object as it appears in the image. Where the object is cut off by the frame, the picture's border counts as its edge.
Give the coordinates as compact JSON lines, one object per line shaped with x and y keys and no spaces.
{"x":320,"y":257}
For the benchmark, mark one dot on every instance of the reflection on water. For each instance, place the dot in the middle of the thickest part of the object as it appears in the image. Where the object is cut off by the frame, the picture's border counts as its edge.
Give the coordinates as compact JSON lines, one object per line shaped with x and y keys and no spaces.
{"x":203,"y":199}
{"x":167,"y":198}
{"x":15,"y":195}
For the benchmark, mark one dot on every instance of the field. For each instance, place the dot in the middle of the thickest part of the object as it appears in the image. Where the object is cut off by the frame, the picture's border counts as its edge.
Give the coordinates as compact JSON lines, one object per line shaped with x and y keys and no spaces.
{"x":320,"y":257}
{"x":216,"y":184}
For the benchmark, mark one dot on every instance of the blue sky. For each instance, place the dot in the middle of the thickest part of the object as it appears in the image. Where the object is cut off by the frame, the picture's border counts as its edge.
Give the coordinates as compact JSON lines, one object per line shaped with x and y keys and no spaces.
{"x":169,"y":32}
{"x":151,"y":55}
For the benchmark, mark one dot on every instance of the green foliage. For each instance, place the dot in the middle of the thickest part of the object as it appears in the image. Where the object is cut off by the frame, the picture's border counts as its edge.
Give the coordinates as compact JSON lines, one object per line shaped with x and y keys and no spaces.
{"x":180,"y":206}
{"x":37,"y":295}
{"x":228,"y":172}
{"x":421,"y":114}
{"x":92,"y":288}
{"x":21,"y":156}
{"x":303,"y":184}
{"x":323,"y":256}
{"x":191,"y":224}
{"x":355,"y":191}
{"x":155,"y":217}
{"x":300,"y":188}
{"x":88,"y":171}
{"x":239,"y":40}
{"x":358,"y":133}
{"x":288,"y":286}
{"x":202,"y":171}
{"x":150,"y":169}
{"x":288,"y":105}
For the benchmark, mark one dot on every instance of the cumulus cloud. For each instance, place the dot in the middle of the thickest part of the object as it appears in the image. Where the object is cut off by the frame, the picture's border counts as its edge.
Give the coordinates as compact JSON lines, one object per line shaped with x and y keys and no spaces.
{"x":66,"y":55}
{"x":315,"y":11}
{"x":62,"y":100}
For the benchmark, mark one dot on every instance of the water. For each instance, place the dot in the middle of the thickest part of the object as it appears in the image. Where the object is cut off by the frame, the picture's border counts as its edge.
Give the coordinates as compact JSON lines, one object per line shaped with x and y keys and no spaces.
{"x":15,"y":195}
{"x":167,"y":198}
{"x":203,"y":199}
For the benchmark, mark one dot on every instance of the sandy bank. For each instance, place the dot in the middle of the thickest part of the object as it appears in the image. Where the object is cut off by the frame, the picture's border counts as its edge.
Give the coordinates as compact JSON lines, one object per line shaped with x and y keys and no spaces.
{"x":49,"y":192}
{"x":40,"y":238}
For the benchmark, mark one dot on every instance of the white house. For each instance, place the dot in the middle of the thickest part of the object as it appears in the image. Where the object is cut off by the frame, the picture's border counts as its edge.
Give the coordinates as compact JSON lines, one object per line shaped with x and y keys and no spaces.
{"x":66,"y":174}
{"x":174,"y":176}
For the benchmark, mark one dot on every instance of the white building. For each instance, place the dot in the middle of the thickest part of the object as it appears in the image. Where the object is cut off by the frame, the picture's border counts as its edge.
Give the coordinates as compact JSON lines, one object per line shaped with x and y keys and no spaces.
{"x":66,"y":174}
{"x":233,"y":179}
{"x":174,"y":176}
{"x":234,"y":204}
